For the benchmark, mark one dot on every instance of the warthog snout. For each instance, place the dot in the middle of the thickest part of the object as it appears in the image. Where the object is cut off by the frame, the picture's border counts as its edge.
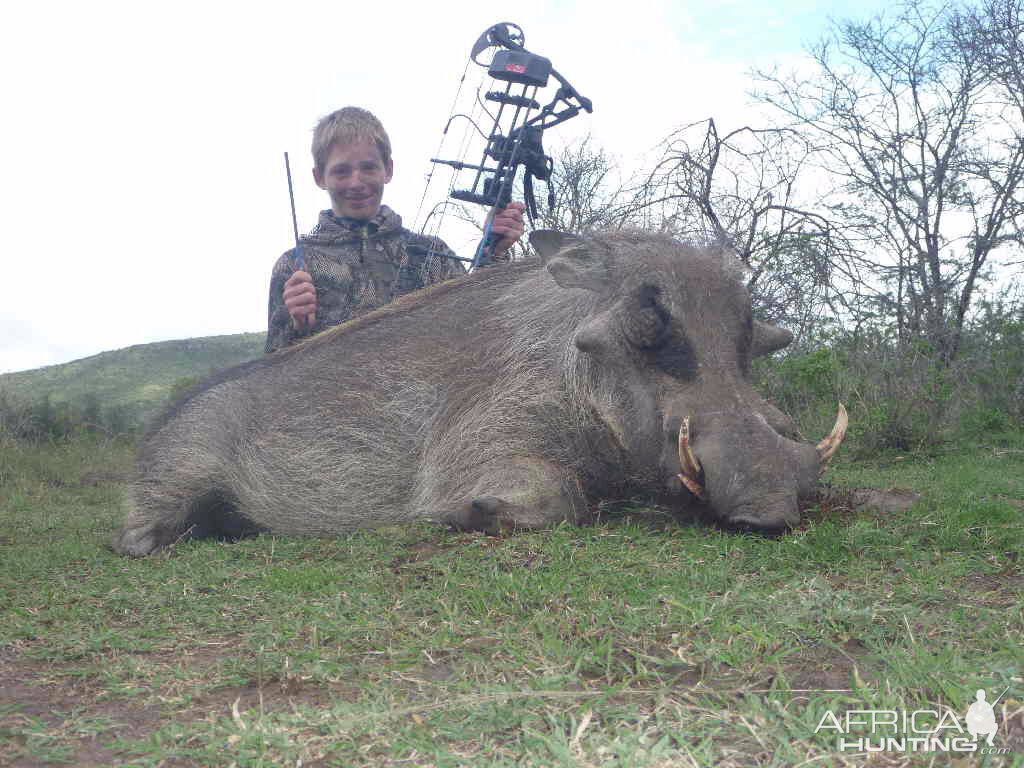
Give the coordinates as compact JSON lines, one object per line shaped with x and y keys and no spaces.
{"x":757,"y":485}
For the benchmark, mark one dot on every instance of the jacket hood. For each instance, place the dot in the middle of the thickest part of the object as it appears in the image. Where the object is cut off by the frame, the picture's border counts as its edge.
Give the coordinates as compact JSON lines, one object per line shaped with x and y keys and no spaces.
{"x":331,"y":229}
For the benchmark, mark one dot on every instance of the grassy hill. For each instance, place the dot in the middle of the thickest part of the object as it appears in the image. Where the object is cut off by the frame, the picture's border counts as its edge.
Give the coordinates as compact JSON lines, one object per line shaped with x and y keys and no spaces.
{"x":136,"y":380}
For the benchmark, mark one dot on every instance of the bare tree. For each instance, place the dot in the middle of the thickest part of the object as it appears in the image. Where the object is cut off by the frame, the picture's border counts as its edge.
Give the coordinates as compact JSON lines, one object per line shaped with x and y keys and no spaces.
{"x":587,"y":191}
{"x":927,"y":155}
{"x":993,"y":32}
{"x":749,"y":190}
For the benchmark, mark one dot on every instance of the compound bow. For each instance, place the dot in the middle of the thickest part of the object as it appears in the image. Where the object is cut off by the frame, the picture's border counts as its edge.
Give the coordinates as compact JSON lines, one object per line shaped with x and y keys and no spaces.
{"x":519,"y":142}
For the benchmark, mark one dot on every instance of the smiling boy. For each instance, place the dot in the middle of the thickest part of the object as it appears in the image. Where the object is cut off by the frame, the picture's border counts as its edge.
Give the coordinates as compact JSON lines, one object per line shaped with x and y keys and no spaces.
{"x":359,"y":256}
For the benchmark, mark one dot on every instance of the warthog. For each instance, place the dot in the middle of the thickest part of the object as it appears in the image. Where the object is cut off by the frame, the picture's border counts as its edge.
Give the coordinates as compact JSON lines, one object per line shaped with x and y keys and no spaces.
{"x":515,"y":397}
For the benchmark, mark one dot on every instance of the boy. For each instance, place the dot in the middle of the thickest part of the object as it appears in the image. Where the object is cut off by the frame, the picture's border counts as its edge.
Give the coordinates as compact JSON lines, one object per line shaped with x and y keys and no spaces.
{"x":358,"y":257}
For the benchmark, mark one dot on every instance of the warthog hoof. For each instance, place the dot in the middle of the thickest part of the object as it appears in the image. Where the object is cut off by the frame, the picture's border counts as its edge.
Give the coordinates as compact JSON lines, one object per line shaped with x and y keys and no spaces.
{"x":136,"y":542}
{"x":485,"y":513}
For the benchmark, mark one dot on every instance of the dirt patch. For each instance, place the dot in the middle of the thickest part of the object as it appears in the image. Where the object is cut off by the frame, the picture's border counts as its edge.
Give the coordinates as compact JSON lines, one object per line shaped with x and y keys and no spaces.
{"x":1004,"y":580}
{"x":847,"y":504}
{"x":274,"y":696}
{"x":682,"y":675}
{"x":426,"y":674}
{"x":829,"y":504}
{"x":886,"y":501}
{"x":105,"y":477}
{"x":829,"y":667}
{"x":40,"y":700}
{"x":989,"y":590}
{"x":90,"y":480}
{"x":1011,"y":727}
{"x":67,"y":710}
{"x":421,"y":550}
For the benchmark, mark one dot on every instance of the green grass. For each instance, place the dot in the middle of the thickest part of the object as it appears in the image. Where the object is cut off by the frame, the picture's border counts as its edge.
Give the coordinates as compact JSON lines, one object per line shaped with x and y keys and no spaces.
{"x":636,"y":642}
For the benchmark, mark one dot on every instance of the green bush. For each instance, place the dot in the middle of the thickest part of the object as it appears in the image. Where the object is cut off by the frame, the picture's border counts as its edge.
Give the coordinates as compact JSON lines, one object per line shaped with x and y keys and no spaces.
{"x":982,"y":419}
{"x":801,"y":381}
{"x":181,"y":386}
{"x":900,"y":396}
{"x":49,"y":419}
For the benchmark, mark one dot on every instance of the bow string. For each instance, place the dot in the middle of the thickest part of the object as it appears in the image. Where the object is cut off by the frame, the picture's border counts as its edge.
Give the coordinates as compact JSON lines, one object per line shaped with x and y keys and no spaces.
{"x":514,"y":138}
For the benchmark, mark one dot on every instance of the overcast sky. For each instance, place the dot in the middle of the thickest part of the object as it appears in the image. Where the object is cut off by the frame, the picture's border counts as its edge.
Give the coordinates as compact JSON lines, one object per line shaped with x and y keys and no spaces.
{"x":143,"y":193}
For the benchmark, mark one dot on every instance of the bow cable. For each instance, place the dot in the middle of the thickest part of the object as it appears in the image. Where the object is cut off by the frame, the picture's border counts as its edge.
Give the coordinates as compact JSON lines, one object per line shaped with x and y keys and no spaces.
{"x":471,"y":120}
{"x":440,"y":144}
{"x":509,"y":146}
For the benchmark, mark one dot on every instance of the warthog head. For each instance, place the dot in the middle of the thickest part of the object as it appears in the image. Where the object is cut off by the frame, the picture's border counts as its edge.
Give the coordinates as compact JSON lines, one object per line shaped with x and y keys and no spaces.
{"x":668,"y":346}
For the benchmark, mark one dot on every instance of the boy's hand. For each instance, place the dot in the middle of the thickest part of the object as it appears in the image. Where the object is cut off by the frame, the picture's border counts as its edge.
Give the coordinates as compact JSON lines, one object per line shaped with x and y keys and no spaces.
{"x":300,"y":299}
{"x":508,"y":222}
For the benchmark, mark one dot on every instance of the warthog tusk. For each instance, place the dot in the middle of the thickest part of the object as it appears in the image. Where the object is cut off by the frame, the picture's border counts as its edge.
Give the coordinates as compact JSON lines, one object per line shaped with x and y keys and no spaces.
{"x":828,"y":446}
{"x":688,"y":462}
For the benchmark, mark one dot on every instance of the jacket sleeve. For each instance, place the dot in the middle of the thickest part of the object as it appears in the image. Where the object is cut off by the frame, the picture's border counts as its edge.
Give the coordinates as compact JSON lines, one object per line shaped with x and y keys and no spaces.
{"x":280,"y":332}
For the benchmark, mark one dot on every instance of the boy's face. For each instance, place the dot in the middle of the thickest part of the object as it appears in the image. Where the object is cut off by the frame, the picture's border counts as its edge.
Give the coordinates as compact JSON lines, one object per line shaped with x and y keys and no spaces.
{"x":354,"y":177}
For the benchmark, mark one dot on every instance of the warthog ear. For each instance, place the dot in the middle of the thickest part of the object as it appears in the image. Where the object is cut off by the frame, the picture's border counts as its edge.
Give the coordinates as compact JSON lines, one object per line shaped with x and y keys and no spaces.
{"x":768,"y":339}
{"x":548,"y":242}
{"x":568,"y":260}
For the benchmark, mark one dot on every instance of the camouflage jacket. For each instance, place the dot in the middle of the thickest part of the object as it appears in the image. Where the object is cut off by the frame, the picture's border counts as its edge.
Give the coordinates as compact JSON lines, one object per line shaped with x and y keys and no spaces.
{"x":356,"y":267}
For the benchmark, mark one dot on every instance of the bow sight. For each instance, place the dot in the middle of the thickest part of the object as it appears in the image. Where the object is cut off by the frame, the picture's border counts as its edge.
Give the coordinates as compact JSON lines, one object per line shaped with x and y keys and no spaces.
{"x":519,"y":143}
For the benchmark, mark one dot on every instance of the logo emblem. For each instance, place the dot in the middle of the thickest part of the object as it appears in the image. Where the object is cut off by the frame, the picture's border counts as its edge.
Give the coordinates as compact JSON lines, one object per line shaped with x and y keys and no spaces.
{"x":981,"y":717}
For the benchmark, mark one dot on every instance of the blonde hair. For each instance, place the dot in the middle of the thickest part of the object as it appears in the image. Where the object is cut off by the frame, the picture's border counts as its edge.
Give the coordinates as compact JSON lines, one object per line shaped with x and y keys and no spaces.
{"x":347,"y":125}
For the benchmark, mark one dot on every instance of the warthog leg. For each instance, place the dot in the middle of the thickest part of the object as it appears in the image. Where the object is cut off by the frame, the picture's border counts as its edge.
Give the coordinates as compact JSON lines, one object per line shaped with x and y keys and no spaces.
{"x":523,"y":493}
{"x":162,"y":520}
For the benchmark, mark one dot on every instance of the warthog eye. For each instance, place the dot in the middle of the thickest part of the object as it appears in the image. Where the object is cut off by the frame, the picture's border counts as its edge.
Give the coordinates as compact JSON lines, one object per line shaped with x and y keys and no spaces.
{"x":675,"y":357}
